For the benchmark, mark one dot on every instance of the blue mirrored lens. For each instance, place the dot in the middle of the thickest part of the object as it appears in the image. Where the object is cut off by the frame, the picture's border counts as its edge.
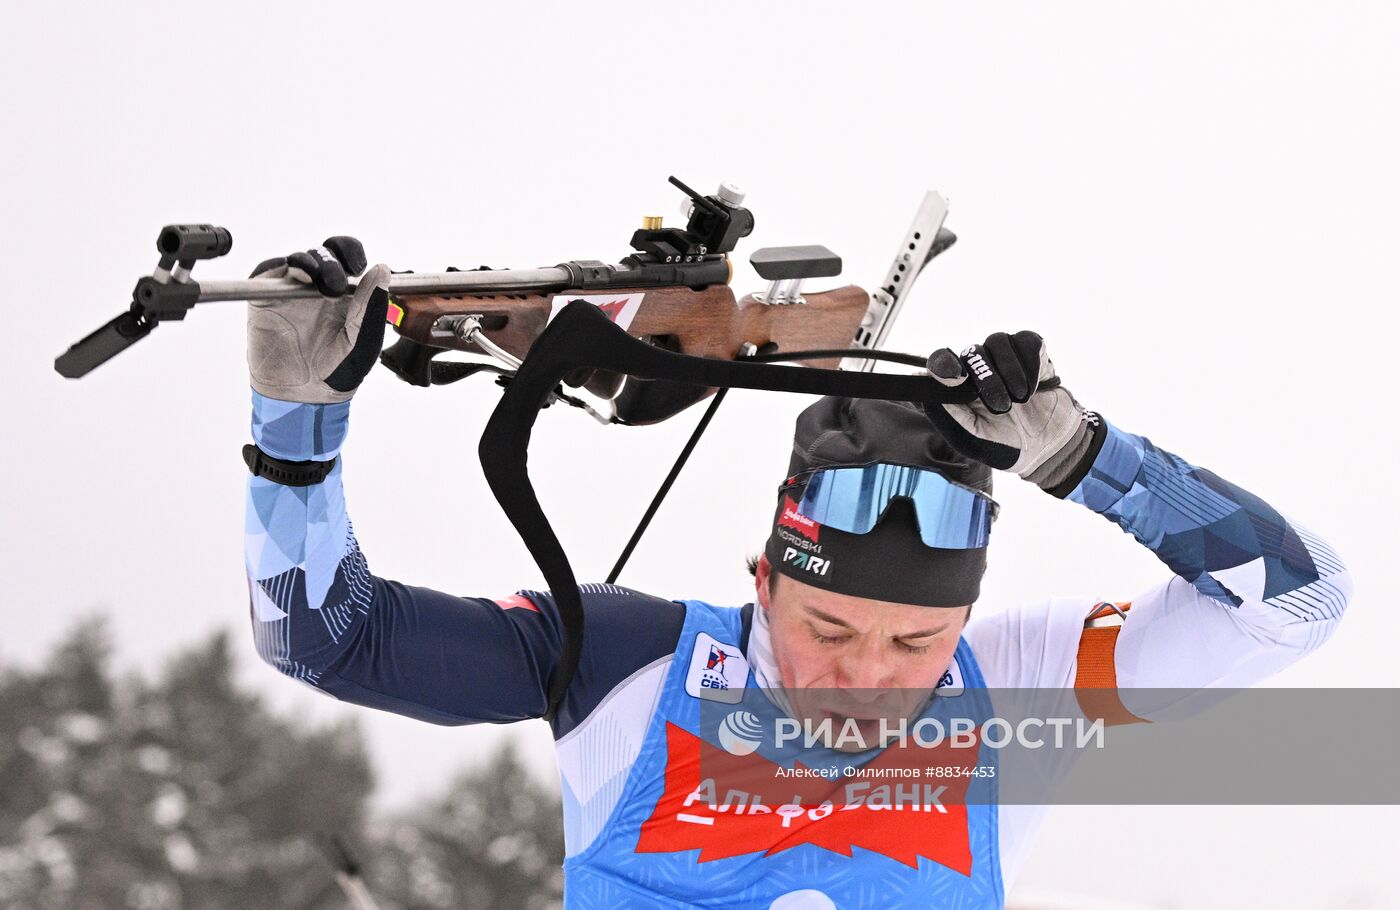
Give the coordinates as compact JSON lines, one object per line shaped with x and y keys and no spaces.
{"x":951,"y":517}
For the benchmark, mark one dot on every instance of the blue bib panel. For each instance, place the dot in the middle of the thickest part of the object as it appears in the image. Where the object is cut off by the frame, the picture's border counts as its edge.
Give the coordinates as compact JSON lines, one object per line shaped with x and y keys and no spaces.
{"x":654,"y":852}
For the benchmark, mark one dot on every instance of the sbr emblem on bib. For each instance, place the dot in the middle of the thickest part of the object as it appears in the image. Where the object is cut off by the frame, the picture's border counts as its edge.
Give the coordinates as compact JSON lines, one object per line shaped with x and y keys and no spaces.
{"x":718,"y":671}
{"x":951,"y":684}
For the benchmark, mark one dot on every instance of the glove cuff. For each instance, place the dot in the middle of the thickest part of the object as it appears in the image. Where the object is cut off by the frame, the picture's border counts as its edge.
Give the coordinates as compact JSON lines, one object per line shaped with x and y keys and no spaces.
{"x":1060,"y":474}
{"x":295,"y":431}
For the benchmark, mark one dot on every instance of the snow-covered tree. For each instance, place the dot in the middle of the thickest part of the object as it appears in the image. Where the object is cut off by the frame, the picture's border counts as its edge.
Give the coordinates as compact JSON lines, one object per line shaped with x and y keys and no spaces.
{"x":493,"y":841}
{"x":180,"y":793}
{"x":185,"y":793}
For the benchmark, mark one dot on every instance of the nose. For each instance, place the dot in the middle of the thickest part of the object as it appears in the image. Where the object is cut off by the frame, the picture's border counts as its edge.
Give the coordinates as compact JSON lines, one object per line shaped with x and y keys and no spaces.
{"x":862,"y":669}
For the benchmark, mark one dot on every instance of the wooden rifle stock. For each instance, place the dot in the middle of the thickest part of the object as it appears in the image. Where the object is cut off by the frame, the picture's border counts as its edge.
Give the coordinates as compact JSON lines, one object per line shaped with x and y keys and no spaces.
{"x":705,"y":322}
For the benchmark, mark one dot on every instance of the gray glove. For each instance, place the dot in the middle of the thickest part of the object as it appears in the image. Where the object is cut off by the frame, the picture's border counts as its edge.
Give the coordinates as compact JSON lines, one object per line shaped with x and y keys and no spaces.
{"x":1023,"y":420}
{"x":318,"y":351}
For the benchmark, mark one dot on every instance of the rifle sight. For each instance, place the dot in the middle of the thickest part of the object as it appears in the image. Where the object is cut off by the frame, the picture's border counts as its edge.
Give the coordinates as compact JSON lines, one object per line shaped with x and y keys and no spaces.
{"x":716,"y":225}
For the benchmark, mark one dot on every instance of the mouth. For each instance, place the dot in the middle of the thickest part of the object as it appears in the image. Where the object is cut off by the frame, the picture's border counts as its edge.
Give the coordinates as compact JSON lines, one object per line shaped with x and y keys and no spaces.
{"x":839,"y":717}
{"x":851,"y":732}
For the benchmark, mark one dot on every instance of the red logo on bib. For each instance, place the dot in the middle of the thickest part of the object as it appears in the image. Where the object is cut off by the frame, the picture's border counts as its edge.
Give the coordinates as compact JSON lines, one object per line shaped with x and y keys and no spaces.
{"x":738,"y":804}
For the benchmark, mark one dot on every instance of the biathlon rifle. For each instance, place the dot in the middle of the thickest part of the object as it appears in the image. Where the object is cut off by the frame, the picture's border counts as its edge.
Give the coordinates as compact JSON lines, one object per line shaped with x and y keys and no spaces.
{"x":672,"y":291}
{"x":651,"y":335}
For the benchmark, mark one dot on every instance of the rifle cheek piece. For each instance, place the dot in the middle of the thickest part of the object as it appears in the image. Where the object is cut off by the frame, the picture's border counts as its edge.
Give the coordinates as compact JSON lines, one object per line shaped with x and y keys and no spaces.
{"x":581,"y":337}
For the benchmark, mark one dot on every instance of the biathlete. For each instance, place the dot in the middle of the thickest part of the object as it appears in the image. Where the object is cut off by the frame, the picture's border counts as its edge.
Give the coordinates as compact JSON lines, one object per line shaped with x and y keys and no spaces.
{"x":866,"y":584}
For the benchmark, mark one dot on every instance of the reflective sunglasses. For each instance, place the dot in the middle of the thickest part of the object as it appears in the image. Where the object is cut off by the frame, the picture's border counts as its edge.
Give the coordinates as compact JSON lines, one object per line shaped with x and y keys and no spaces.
{"x":853,"y":499}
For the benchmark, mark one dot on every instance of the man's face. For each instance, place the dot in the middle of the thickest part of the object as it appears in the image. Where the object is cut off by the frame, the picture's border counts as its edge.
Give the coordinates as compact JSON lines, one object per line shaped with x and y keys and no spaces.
{"x":845,"y":657}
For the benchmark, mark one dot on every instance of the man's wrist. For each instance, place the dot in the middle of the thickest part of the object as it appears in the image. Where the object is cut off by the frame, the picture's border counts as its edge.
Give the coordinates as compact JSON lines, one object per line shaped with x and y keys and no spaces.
{"x":1111,"y":475}
{"x":286,"y":473}
{"x":297,"y":431}
{"x":1062,"y":472}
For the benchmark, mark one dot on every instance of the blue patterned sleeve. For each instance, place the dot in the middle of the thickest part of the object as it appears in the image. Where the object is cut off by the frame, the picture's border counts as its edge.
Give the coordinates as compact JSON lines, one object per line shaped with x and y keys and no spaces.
{"x":1231,"y":546}
{"x":300,"y":552}
{"x":321,"y":617}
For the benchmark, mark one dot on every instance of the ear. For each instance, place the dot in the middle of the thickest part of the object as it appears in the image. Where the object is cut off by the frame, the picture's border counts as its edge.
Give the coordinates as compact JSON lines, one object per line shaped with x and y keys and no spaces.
{"x":763,"y":573}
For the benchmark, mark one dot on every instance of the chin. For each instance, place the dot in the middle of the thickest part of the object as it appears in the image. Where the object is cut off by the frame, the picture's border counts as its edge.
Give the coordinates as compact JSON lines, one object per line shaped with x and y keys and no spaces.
{"x":869,"y":729}
{"x":854,"y":732}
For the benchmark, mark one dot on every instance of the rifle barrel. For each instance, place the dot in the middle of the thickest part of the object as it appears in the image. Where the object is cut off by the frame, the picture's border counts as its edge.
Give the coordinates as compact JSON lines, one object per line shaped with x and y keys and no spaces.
{"x":499,"y":281}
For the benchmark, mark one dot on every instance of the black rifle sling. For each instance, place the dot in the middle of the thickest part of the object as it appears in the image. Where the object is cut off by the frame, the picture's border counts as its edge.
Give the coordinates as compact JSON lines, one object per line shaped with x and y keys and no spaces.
{"x":704,"y":422}
{"x":665,"y":487}
{"x":582,"y":337}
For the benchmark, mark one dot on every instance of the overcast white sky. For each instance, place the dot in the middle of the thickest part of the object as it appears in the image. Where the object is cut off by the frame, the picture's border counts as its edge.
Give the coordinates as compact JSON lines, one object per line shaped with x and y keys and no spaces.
{"x":1195,"y":203}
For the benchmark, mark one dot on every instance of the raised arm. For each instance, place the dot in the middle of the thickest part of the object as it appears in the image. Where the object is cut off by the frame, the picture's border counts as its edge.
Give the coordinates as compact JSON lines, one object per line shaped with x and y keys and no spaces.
{"x":1251,"y":591}
{"x":1282,"y":588}
{"x":319,"y":614}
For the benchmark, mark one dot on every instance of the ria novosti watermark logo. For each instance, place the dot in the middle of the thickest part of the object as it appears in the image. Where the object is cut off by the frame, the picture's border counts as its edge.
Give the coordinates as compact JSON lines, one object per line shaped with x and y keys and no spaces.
{"x":932,"y":733}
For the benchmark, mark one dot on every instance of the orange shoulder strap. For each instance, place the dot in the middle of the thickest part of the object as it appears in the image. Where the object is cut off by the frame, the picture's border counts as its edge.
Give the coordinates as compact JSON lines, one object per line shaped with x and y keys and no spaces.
{"x":1096,"y":676}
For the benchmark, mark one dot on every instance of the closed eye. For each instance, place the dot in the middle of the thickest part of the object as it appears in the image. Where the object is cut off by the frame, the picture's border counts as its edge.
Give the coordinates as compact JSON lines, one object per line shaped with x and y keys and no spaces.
{"x":921,"y":642}
{"x":827,"y":639}
{"x":904,"y":646}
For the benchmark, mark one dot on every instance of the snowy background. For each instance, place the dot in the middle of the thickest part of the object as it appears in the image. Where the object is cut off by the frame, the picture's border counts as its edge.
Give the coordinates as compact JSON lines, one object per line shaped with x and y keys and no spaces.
{"x":1196,"y":204}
